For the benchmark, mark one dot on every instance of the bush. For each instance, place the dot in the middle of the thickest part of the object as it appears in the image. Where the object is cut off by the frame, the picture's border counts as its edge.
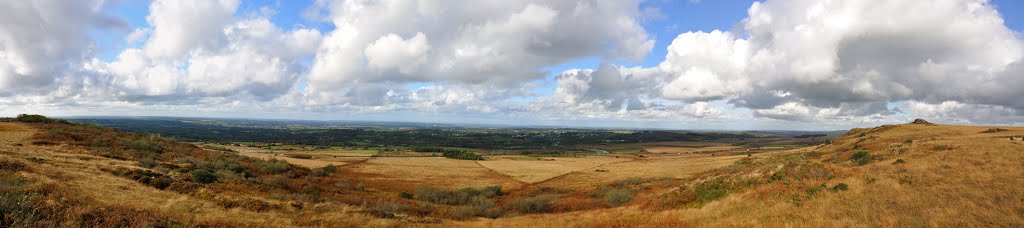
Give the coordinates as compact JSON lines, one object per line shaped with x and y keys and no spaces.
{"x":492,"y":191}
{"x":274,"y":166}
{"x":278,"y":181}
{"x":463,"y":196}
{"x":142,"y":145}
{"x":203,"y":176}
{"x":616,"y":197}
{"x":537,"y":204}
{"x":840,"y":187}
{"x":387,"y":209}
{"x":862,"y":157}
{"x":405,"y":195}
{"x":326,"y":170}
{"x":711,"y":190}
{"x":899,"y":161}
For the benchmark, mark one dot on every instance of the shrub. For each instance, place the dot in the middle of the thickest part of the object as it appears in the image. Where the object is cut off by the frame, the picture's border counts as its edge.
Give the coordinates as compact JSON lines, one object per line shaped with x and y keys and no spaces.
{"x":711,"y":190}
{"x":405,"y":195}
{"x":386,"y":209}
{"x":142,"y":145}
{"x":899,"y":161}
{"x":862,"y":157}
{"x":537,"y":204}
{"x":840,"y":187}
{"x":278,"y":181}
{"x":330,"y":168}
{"x":203,"y":176}
{"x":326,"y":170}
{"x":274,"y":166}
{"x":147,"y":163}
{"x":492,"y":191}
{"x":463,"y":196}
{"x":616,"y":197}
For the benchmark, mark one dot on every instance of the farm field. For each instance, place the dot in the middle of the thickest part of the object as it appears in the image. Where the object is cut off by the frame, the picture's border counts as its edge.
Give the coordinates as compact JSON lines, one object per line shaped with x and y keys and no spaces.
{"x":533,"y":171}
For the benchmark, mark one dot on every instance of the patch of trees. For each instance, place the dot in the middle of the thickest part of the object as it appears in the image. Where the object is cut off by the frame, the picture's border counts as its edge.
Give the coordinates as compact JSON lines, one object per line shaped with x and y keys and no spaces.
{"x":463,"y":155}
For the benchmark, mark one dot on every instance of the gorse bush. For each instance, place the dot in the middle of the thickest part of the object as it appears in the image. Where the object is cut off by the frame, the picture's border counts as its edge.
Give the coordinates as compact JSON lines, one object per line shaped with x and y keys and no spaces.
{"x":203,"y":176}
{"x":274,"y":166}
{"x":841,"y":187}
{"x":463,"y":196}
{"x":862,"y":157}
{"x":616,"y":197}
{"x":536,"y":204}
{"x":143,"y":145}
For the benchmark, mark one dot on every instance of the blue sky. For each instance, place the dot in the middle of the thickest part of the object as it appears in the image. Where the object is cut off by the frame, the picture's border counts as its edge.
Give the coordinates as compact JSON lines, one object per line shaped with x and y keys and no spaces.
{"x":854,"y":63}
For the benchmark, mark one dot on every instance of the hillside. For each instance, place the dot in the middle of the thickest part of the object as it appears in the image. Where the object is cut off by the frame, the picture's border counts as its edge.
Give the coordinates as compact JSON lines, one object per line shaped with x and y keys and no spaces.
{"x":64,"y":174}
{"x":911,"y":175}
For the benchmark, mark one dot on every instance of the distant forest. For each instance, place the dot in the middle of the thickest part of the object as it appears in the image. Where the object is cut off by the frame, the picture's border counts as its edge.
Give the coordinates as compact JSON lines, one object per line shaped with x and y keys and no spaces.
{"x":487,"y":139}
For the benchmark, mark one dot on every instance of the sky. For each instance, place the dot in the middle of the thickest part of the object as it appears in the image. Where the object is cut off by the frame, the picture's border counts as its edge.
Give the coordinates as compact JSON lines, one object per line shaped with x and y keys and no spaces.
{"x":689,"y":64}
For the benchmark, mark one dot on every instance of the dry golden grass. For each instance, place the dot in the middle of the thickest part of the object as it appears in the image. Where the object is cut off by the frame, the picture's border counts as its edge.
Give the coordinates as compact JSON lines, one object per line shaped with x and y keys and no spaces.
{"x":73,"y":173}
{"x":696,"y":149}
{"x":950,"y":176}
{"x":536,"y":171}
{"x":14,"y":132}
{"x":308,"y":163}
{"x":666,"y":166}
{"x":404,"y":173}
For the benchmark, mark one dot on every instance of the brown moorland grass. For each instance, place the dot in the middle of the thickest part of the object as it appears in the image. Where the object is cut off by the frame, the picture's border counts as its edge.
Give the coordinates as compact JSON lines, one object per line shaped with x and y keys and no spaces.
{"x":64,"y":182}
{"x":896,"y":175}
{"x":545,"y":168}
{"x":404,"y":173}
{"x":918,"y":175}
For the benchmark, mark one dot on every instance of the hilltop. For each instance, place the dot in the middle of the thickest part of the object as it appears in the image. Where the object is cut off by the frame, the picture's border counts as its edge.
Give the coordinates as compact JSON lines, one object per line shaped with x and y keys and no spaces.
{"x":65,"y":174}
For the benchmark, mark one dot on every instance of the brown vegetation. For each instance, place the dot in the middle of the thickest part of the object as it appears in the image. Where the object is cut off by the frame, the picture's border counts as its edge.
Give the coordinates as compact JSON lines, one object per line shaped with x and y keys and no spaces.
{"x":61,"y":174}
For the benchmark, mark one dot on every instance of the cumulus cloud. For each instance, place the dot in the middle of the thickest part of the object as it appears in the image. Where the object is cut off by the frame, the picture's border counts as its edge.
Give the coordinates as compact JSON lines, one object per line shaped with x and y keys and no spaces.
{"x":496,"y":43}
{"x":798,"y":60}
{"x":802,"y":59}
{"x":199,"y":50}
{"x":44,"y":40}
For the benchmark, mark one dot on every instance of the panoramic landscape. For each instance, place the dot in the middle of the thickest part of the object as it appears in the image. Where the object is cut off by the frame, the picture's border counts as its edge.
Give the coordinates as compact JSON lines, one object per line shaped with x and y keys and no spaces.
{"x":579,"y":113}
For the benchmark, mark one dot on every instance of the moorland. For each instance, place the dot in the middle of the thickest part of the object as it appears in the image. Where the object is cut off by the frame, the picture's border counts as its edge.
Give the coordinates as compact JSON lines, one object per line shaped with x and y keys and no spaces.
{"x":187,"y":173}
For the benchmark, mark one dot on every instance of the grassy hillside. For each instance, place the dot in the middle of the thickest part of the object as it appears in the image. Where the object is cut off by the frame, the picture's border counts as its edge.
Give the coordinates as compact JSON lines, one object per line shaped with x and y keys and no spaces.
{"x":54,"y":173}
{"x":893,"y":175}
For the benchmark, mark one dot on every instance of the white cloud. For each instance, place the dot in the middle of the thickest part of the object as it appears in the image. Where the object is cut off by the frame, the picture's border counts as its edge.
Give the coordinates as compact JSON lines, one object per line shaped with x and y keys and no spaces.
{"x":494,"y":43}
{"x":391,"y":51}
{"x":800,"y":60}
{"x":187,"y":25}
{"x":43,"y":40}
{"x":849,"y":58}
